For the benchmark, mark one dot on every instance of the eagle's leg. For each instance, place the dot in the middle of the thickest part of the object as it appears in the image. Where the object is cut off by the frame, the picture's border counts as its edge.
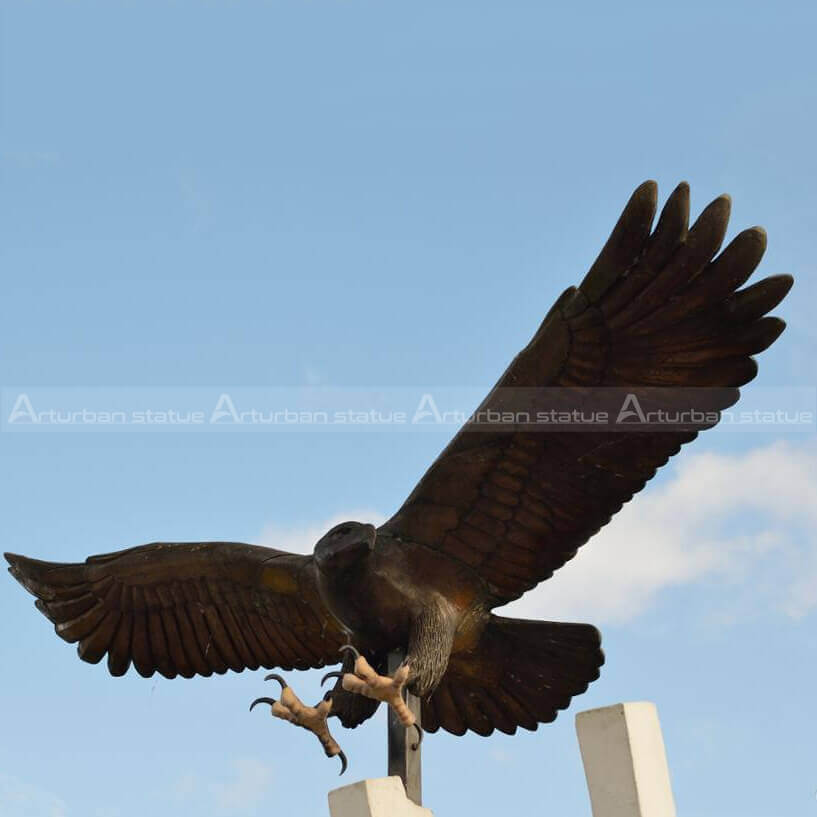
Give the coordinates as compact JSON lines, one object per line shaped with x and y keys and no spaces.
{"x":429,"y":647}
{"x":364,"y":680}
{"x":311,"y":718}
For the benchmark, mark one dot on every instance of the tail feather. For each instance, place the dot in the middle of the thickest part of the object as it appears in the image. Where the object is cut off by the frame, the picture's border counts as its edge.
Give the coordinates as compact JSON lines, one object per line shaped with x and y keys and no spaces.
{"x":521,"y":673}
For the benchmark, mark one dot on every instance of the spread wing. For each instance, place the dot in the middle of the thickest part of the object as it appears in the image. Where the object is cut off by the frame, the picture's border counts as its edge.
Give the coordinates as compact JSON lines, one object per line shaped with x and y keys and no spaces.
{"x":657,"y":309}
{"x":187,"y":609}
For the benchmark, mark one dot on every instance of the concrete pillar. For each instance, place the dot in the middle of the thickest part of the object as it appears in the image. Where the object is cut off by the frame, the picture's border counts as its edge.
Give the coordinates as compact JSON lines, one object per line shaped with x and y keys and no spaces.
{"x":380,"y":797}
{"x":625,"y":762}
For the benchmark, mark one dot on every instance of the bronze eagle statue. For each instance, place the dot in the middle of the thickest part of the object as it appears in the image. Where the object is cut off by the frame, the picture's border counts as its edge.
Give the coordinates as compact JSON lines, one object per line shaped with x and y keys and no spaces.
{"x":498,"y":512}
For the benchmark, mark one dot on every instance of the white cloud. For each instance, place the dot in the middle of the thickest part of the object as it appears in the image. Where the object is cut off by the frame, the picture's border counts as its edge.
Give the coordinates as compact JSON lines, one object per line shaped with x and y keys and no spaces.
{"x":744,"y":519}
{"x":236,"y":795}
{"x":747,"y":520}
{"x":20,"y":799}
{"x":186,"y":786}
{"x":247,"y":789}
{"x":302,"y":538}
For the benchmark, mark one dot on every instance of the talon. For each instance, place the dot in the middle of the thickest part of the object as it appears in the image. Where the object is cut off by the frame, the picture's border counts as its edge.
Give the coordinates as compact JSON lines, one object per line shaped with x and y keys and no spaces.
{"x":312,"y":718}
{"x":331,"y":675}
{"x":416,"y":746}
{"x":270,"y":701}
{"x":388,"y":689}
{"x":350,"y":647}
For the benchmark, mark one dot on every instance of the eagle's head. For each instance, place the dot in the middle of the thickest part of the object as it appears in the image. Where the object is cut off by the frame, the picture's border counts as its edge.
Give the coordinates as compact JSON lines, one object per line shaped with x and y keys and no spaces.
{"x":345,"y":546}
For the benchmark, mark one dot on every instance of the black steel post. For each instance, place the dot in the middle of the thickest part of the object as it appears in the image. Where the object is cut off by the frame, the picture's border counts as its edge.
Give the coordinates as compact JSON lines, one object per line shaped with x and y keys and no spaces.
{"x":404,"y":749}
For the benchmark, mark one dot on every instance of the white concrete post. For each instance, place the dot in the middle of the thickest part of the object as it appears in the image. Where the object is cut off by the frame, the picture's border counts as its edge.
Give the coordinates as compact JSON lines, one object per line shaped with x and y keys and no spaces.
{"x":380,"y":797}
{"x":625,"y":762}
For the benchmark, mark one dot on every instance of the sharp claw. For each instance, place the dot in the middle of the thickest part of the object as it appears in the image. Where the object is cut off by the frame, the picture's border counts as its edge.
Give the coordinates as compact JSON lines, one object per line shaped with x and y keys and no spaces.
{"x":350,"y":647}
{"x":331,"y":675}
{"x":270,"y":701}
{"x":416,"y":746}
{"x":311,"y":718}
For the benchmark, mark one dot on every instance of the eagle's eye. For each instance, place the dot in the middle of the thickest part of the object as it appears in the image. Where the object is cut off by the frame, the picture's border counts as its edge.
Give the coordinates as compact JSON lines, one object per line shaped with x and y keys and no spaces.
{"x":343,"y":531}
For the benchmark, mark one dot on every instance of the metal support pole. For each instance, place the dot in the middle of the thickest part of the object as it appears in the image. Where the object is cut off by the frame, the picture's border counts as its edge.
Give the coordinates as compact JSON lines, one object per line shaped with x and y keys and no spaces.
{"x":405,"y":761}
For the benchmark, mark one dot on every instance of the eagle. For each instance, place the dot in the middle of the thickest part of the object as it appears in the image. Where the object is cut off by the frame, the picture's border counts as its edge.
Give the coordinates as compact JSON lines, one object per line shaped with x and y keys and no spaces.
{"x":500,"y":510}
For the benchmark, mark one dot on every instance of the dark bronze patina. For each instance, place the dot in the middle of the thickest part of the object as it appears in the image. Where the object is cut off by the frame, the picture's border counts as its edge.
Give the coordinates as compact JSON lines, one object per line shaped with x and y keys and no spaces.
{"x":498,"y":512}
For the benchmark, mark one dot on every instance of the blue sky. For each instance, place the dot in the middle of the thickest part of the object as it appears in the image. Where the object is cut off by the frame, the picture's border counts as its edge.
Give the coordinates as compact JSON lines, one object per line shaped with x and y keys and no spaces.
{"x":355,"y":194}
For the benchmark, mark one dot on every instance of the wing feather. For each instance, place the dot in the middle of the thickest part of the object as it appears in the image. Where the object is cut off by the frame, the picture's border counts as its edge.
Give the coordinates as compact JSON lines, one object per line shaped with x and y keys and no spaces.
{"x":186,"y":609}
{"x":658,"y":311}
